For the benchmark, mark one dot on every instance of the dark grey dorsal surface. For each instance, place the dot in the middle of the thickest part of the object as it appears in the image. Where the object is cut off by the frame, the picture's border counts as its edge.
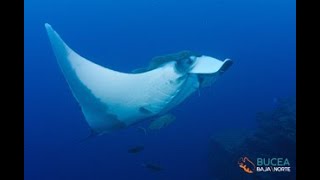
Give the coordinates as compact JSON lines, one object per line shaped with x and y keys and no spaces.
{"x":161,"y":60}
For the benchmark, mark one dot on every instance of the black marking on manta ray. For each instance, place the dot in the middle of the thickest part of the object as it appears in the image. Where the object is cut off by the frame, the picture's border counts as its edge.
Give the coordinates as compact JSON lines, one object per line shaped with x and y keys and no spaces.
{"x":144,"y":110}
{"x":178,"y":80}
{"x":171,"y":81}
{"x":181,"y":78}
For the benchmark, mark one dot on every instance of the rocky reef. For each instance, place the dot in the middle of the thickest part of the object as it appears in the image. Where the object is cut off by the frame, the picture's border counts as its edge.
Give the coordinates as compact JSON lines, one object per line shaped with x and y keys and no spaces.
{"x":274,"y":138}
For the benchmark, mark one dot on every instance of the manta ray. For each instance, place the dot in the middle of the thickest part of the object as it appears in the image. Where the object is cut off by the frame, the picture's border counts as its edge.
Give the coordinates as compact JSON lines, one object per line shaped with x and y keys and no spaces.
{"x":112,"y":100}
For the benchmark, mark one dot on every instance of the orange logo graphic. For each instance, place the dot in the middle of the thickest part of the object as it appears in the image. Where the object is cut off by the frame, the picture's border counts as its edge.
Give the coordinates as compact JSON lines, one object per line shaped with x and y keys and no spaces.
{"x":247,"y":165}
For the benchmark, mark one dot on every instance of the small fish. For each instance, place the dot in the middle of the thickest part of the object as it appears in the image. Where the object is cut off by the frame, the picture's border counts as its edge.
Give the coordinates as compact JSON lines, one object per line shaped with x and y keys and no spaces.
{"x":135,"y":149}
{"x":152,"y":167}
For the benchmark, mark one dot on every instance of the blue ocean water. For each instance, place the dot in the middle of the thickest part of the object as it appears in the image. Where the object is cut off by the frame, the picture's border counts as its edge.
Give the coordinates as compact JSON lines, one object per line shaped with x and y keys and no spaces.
{"x":258,"y":35}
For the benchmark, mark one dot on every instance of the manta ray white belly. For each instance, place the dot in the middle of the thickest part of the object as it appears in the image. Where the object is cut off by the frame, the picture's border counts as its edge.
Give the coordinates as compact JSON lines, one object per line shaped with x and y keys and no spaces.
{"x":111,"y":100}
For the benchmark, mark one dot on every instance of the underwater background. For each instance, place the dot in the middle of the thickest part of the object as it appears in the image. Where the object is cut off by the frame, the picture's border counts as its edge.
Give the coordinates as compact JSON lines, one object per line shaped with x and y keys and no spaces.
{"x":258,"y":35}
